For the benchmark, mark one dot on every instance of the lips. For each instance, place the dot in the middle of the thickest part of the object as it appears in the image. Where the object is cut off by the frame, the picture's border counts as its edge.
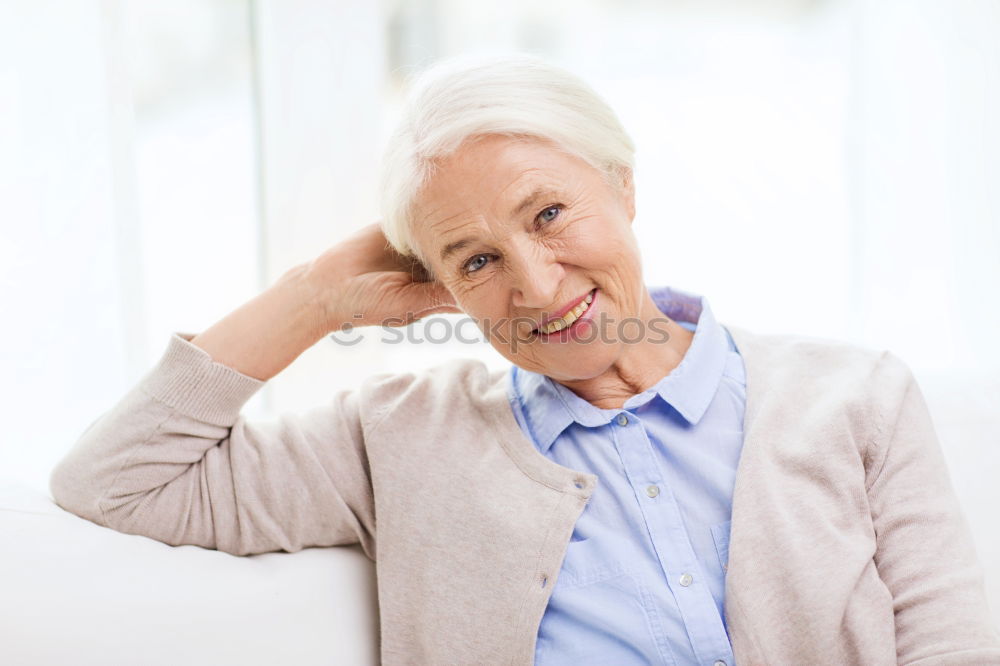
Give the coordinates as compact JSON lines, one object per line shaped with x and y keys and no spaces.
{"x":568,"y":307}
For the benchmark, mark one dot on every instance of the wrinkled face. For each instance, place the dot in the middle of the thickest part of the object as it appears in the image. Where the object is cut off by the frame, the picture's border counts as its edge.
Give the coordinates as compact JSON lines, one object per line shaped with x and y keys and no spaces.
{"x":521,"y":233}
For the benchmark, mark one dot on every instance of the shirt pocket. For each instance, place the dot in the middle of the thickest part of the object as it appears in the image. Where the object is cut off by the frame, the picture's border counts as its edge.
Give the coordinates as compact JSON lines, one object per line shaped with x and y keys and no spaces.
{"x":720,"y":534}
{"x":600,"y":607}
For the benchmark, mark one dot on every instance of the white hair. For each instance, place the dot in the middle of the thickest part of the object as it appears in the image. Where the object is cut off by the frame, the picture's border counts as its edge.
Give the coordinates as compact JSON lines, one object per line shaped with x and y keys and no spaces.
{"x":465,"y":97}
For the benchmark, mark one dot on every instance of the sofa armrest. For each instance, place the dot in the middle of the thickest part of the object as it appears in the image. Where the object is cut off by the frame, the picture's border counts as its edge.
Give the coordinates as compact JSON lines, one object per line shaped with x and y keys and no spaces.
{"x":79,"y":593}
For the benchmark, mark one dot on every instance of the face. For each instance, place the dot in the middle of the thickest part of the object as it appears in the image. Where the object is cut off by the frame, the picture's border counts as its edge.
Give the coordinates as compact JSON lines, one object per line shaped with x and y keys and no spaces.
{"x":520,"y":232}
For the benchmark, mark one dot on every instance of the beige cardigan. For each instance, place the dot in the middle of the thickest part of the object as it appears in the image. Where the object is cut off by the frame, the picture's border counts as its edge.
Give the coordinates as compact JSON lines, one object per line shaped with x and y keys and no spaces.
{"x":848,"y":544}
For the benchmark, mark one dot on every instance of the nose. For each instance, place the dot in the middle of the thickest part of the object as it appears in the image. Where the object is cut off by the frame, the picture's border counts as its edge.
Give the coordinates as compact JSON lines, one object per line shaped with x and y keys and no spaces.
{"x":536,"y":277}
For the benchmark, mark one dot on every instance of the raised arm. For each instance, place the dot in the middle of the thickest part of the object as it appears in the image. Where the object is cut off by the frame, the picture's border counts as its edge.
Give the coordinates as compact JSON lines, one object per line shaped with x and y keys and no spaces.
{"x":360,"y":276}
{"x":174,"y":459}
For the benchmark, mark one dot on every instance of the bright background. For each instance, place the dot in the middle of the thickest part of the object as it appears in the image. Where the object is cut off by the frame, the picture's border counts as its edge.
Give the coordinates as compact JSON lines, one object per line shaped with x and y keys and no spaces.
{"x":822,"y":167}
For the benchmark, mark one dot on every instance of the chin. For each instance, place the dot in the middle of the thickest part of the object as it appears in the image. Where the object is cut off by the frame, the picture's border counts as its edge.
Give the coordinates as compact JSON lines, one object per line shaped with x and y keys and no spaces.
{"x":572,"y":367}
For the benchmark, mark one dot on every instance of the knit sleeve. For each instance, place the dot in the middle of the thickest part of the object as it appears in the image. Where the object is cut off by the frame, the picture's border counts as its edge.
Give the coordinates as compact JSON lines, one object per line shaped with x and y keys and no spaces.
{"x":925,"y":552}
{"x":174,"y":460}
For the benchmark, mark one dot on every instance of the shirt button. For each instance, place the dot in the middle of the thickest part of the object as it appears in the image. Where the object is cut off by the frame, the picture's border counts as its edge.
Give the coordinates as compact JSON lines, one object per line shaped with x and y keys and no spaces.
{"x":652,"y":491}
{"x":622,"y":420}
{"x":686,"y":579}
{"x":719,"y":663}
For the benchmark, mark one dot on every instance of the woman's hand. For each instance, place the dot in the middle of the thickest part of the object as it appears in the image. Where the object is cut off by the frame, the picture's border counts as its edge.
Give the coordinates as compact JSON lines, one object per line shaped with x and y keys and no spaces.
{"x":365,"y":282}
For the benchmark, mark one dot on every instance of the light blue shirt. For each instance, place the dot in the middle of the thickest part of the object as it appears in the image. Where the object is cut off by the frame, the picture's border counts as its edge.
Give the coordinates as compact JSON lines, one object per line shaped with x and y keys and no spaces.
{"x":643,"y":579}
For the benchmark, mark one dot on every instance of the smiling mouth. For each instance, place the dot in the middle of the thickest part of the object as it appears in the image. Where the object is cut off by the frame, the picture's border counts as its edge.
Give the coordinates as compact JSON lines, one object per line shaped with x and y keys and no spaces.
{"x":569,"y":318}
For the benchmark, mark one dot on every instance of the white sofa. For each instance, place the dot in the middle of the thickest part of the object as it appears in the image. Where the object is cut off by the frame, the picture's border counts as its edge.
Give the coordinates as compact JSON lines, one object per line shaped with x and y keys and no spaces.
{"x":76,"y":593}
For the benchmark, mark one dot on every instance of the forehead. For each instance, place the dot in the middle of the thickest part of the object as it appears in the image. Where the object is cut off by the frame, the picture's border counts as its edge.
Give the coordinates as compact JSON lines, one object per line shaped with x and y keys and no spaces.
{"x":490,"y":176}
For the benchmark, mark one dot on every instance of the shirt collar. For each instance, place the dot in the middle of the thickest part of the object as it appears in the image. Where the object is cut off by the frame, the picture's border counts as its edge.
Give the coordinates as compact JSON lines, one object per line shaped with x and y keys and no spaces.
{"x":549,"y":407}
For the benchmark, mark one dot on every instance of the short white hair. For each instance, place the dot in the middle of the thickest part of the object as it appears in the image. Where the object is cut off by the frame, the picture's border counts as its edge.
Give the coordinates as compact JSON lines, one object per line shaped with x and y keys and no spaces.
{"x":466,"y":97}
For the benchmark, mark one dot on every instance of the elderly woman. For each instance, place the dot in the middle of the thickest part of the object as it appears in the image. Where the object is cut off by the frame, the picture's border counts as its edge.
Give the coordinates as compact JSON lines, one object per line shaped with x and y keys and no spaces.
{"x":643,"y":485}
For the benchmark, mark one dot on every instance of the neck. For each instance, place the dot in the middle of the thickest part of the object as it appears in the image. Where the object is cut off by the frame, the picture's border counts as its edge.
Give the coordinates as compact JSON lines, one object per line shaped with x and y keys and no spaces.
{"x":640,"y":365}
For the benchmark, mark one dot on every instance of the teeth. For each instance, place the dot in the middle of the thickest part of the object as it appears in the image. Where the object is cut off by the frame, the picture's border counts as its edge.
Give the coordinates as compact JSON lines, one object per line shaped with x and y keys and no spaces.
{"x":568,"y":318}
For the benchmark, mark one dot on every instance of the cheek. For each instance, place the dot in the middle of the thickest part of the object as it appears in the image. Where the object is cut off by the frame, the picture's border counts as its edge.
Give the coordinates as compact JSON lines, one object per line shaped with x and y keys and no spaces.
{"x":476,"y":300}
{"x":597,"y":234}
{"x":598,"y":250}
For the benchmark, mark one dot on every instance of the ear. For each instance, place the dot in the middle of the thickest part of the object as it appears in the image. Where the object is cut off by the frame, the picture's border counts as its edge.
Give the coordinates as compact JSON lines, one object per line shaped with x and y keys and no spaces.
{"x":628,"y":193}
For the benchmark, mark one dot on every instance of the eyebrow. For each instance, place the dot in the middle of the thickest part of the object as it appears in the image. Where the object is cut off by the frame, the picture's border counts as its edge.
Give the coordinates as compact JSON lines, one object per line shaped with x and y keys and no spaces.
{"x":530,"y":200}
{"x":452,"y":248}
{"x":526,"y":203}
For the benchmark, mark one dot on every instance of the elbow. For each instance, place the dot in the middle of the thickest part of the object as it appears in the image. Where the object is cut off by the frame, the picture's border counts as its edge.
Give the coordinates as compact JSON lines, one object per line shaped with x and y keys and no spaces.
{"x":69,"y":490}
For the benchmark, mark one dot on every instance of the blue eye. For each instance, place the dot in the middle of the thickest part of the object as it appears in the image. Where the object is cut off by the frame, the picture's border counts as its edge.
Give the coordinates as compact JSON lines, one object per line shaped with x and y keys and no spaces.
{"x":473,"y":264}
{"x":550,"y":213}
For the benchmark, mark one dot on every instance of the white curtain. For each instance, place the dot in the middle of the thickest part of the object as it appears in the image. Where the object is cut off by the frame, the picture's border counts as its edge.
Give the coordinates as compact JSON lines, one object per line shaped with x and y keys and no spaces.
{"x":824,"y":168}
